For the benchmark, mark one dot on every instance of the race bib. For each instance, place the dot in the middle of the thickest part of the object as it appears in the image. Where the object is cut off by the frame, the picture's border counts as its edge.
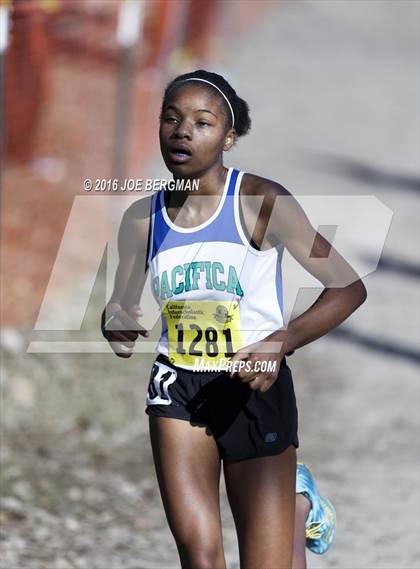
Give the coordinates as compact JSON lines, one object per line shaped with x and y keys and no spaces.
{"x":202,"y":331}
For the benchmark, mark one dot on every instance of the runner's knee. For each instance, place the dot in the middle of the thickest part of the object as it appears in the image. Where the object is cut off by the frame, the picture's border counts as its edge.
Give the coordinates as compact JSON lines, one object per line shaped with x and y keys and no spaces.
{"x":201,"y":555}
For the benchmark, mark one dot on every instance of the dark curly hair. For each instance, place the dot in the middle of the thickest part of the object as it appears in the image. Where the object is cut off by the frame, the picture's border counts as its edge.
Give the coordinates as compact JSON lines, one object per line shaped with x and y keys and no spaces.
{"x":240,"y":107}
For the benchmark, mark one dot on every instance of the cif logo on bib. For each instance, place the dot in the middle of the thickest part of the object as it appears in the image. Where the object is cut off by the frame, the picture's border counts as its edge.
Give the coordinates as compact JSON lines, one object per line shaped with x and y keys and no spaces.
{"x":222,"y":314}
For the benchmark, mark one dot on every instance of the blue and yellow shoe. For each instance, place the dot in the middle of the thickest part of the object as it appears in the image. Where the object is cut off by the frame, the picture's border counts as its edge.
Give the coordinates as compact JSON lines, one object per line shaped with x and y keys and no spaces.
{"x":321,"y":520}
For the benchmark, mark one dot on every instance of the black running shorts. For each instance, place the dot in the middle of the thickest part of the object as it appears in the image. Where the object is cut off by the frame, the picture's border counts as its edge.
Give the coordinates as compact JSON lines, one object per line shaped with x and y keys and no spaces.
{"x":245,"y":423}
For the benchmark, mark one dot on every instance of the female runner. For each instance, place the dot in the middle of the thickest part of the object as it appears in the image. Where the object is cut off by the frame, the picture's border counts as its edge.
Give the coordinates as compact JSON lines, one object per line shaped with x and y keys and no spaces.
{"x":220,"y":390}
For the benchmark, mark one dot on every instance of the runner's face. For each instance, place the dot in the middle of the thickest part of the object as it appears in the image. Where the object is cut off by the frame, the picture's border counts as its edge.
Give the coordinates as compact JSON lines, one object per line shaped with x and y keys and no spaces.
{"x":193,"y":131}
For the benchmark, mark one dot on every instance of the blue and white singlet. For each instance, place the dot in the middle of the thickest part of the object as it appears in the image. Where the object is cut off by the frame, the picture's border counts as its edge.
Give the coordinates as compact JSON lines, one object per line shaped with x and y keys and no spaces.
{"x":217,"y":292}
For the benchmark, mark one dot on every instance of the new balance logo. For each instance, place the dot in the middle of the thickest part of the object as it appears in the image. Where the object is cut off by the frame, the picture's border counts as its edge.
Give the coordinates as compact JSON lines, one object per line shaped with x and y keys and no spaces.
{"x":270,"y":437}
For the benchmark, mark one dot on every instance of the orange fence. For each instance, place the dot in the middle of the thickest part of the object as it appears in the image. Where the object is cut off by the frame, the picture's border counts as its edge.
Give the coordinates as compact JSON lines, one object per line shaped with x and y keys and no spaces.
{"x":73,"y":92}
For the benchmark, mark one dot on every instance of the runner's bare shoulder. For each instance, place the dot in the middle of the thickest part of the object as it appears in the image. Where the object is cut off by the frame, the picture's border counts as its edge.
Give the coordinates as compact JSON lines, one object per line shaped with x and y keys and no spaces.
{"x":259,"y":209}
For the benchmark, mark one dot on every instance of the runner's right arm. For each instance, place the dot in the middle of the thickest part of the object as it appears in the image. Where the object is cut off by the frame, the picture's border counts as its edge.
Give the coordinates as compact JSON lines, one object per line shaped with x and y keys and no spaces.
{"x":120,"y":318}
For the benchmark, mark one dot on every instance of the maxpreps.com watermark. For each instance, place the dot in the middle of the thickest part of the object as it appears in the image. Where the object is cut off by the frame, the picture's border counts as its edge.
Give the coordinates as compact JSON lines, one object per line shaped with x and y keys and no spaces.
{"x":138,"y":185}
{"x":223,"y":364}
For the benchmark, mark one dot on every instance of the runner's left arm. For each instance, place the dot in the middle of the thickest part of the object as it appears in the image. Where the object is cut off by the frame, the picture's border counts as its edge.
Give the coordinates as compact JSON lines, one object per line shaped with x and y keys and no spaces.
{"x":344,"y":291}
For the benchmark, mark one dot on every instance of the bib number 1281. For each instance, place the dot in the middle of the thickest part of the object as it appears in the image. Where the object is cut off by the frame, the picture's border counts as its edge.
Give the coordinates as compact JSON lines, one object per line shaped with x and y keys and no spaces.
{"x":210,"y":345}
{"x":207,"y":330}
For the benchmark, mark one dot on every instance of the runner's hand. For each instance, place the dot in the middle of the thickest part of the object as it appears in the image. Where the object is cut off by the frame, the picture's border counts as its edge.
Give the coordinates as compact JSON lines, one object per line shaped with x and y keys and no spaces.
{"x":121,"y":328}
{"x":248,"y":363}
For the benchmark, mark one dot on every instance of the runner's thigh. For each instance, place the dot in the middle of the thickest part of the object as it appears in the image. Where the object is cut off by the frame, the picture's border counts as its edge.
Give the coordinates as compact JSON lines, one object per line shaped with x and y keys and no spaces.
{"x":188,"y":470}
{"x":261,"y":493}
